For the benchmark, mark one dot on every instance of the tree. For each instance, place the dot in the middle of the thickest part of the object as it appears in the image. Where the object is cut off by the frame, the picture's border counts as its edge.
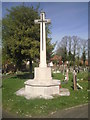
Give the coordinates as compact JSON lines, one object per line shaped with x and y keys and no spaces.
{"x":75,"y":42}
{"x":21,"y":36}
{"x":84,"y":50}
{"x":70,"y":43}
{"x":49,"y":46}
{"x":62,"y":48}
{"x":72,"y":48}
{"x":78,"y":51}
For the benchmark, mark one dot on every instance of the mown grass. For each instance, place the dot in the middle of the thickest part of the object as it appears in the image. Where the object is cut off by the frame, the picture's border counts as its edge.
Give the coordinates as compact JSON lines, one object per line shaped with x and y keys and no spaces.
{"x":41,"y":107}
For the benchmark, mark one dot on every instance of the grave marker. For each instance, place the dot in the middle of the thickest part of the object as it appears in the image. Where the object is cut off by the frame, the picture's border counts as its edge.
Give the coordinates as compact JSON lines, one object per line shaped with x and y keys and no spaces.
{"x":75,"y":80}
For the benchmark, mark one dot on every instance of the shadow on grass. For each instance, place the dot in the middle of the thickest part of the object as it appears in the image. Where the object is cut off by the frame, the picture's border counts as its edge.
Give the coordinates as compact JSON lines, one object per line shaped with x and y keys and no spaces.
{"x":25,"y":76}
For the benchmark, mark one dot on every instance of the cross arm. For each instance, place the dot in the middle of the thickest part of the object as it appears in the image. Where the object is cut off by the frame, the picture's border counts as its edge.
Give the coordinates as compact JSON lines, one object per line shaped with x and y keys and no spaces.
{"x":48,"y":21}
{"x":44,"y":21}
{"x":36,"y":21}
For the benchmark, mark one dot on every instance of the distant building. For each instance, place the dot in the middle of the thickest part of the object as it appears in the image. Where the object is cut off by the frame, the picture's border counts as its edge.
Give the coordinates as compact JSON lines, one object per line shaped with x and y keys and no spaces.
{"x":86,"y":62}
{"x":57,"y":60}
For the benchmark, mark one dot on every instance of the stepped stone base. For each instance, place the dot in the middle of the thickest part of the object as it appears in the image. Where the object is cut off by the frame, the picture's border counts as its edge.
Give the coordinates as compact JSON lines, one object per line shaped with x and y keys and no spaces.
{"x":39,"y":90}
{"x":42,"y":86}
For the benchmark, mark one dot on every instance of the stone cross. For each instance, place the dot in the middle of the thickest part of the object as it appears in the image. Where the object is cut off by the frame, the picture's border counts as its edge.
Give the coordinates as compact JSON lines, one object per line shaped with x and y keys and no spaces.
{"x":42,"y":21}
{"x":67,"y":75}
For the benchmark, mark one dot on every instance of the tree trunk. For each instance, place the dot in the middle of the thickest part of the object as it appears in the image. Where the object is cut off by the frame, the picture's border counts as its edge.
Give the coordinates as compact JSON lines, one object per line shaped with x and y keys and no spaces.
{"x":18,"y":65}
{"x":30,"y":65}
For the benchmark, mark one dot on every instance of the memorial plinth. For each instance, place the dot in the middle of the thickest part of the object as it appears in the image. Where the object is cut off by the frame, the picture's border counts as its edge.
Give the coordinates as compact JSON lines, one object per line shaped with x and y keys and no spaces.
{"x":42,"y":86}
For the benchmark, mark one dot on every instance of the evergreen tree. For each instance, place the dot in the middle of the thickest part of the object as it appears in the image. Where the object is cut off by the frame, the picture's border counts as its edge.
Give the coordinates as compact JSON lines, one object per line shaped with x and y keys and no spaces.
{"x":21,"y":36}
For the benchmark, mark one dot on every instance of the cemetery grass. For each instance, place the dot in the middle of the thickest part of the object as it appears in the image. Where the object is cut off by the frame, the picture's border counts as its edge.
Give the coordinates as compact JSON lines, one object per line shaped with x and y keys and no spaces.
{"x":40,"y":107}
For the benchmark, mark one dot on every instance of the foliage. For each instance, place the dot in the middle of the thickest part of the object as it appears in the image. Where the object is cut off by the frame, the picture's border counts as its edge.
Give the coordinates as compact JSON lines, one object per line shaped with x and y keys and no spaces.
{"x":56,"y":59}
{"x":62,"y":49}
{"x":21,"y":35}
{"x":84,"y":57}
{"x":84,"y":51}
{"x":49,"y":49}
{"x":72,"y":49}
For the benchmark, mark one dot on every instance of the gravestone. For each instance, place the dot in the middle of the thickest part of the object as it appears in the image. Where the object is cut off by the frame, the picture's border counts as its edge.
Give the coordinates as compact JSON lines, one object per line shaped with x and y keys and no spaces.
{"x":63,"y":69}
{"x":42,"y":86}
{"x":64,"y":92}
{"x":66,"y":76}
{"x":75,"y":80}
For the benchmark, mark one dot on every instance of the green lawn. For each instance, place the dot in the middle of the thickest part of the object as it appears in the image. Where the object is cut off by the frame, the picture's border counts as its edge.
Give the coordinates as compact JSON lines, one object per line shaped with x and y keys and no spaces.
{"x":41,"y":107}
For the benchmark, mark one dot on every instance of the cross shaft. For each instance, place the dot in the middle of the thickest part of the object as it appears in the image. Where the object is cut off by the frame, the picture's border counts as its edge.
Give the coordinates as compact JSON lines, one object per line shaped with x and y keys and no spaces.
{"x":42,"y":21}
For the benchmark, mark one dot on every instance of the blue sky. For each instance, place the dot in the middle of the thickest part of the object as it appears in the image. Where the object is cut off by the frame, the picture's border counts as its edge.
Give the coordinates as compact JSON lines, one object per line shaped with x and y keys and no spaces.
{"x":67,"y":18}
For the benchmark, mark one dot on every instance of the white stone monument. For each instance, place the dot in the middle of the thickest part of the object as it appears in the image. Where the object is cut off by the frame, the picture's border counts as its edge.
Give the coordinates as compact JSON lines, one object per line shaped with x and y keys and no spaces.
{"x":42,"y":86}
{"x":66,"y":76}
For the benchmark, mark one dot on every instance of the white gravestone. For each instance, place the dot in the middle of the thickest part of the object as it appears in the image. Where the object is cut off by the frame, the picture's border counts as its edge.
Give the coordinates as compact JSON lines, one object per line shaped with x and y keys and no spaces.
{"x":66,"y":76}
{"x":42,"y":86}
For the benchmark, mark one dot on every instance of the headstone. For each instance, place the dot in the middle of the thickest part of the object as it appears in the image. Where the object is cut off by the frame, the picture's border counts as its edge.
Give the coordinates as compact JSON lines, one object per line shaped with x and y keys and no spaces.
{"x":67,"y":75}
{"x":58,"y":71}
{"x":79,"y":86}
{"x":50,"y":64}
{"x":63,"y":69}
{"x":64,"y":92}
{"x":75,"y":80}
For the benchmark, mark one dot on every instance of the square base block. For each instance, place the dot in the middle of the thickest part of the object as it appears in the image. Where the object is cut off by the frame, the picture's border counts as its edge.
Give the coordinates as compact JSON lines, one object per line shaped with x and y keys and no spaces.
{"x":42,"y":74}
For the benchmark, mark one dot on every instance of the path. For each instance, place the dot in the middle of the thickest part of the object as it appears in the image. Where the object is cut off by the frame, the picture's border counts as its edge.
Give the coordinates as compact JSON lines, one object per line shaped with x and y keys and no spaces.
{"x":75,"y":112}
